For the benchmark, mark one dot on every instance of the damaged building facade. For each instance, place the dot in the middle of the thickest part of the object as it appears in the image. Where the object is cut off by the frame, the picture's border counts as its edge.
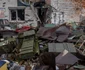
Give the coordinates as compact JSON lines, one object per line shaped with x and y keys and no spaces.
{"x":50,"y":37}
{"x":16,"y":11}
{"x":55,"y":11}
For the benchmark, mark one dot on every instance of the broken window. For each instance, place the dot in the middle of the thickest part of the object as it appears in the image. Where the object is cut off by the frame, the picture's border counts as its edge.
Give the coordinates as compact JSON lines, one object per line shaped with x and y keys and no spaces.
{"x":20,"y":13}
{"x":13,"y":14}
{"x":17,"y":14}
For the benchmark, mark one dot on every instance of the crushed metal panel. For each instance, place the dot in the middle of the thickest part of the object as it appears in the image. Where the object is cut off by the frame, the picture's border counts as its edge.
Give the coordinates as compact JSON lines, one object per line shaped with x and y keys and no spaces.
{"x":60,"y":47}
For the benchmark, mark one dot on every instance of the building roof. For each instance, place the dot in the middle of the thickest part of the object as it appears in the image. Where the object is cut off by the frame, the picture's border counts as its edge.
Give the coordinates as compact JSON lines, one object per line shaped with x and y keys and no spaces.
{"x":60,"y":47}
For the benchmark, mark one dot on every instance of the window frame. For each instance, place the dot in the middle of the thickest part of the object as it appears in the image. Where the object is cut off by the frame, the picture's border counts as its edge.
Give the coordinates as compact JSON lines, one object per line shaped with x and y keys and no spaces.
{"x":16,"y":8}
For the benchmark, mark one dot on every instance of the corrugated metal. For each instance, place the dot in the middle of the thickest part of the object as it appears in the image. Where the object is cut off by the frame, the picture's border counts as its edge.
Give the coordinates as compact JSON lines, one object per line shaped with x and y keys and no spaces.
{"x":28,"y":33}
{"x":27,"y":47}
{"x":60,"y":47}
{"x":27,"y":43}
{"x":24,"y":52}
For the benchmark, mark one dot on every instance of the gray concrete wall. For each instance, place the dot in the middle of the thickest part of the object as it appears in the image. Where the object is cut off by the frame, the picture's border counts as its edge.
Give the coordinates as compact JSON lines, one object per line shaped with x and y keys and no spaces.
{"x":68,"y":8}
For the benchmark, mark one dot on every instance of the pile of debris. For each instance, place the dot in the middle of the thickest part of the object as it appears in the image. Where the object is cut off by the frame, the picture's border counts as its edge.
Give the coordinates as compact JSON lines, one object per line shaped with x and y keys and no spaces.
{"x":51,"y":45}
